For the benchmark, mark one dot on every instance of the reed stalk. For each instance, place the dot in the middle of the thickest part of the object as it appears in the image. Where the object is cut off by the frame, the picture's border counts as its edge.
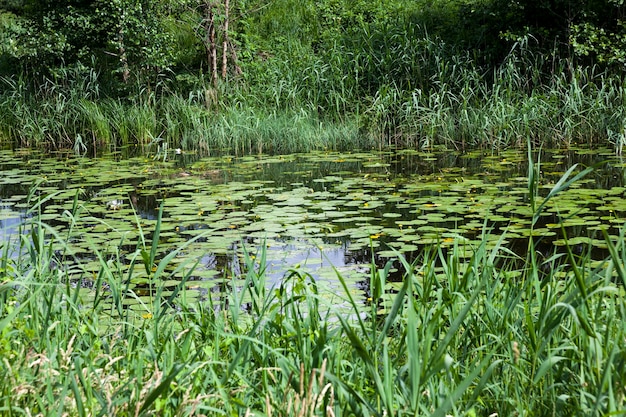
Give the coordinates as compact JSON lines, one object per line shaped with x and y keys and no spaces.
{"x":458,"y":336}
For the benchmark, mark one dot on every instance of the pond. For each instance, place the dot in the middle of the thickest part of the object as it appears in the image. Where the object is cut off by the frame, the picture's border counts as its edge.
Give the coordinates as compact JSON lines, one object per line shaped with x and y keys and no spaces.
{"x":318,"y":212}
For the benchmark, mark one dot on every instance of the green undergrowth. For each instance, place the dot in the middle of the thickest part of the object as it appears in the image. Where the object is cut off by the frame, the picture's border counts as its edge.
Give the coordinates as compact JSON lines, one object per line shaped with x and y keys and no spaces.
{"x":282,"y":108}
{"x":492,"y":334}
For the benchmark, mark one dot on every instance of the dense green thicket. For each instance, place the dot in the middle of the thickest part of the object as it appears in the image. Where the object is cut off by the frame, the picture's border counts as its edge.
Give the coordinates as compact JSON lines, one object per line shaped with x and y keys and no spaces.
{"x":197,"y":74}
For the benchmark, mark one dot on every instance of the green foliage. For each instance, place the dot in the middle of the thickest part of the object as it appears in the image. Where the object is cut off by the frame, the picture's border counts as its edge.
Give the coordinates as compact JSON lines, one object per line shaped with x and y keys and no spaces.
{"x":45,"y":36}
{"x":607,"y":47}
{"x":458,"y":336}
{"x":423,"y":73}
{"x":460,"y":109}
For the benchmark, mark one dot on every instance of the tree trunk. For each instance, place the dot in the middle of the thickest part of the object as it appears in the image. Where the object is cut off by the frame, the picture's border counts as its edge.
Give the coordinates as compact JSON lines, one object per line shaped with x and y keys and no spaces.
{"x":213,"y":13}
{"x":121,"y":51}
{"x":210,"y":43}
{"x":225,"y":41}
{"x":233,"y":57}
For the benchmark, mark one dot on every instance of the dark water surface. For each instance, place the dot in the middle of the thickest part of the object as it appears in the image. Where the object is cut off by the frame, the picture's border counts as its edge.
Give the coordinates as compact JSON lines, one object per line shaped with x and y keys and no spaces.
{"x":310,"y":211}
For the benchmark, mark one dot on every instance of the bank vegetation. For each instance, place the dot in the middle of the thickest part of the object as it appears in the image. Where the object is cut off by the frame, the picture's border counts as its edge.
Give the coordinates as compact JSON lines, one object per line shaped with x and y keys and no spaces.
{"x":284,"y":76}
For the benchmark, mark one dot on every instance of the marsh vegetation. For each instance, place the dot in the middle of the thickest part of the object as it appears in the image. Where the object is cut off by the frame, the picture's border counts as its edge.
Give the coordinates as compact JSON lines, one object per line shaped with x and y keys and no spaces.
{"x":446,"y":302}
{"x":289,"y":76}
{"x":312,"y":208}
{"x":458,"y":335}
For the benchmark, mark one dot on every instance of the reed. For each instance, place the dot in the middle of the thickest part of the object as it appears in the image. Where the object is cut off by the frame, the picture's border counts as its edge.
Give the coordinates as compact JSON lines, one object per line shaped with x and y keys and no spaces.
{"x":583,"y":111}
{"x":490,"y":333}
{"x":376,"y":89}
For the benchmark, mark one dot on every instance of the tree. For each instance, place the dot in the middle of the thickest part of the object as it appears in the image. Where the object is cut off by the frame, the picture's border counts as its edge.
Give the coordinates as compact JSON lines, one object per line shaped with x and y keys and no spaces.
{"x":46,"y":35}
{"x":136,"y":36}
{"x":214,"y":31}
{"x":603,"y":39}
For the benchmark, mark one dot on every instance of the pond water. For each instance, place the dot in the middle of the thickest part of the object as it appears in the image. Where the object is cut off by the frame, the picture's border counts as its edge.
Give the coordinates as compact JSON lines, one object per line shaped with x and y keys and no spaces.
{"x":315,"y":211}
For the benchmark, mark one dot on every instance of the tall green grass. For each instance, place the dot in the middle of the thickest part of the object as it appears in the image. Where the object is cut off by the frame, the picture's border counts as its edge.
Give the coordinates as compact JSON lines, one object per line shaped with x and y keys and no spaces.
{"x":68,"y":121}
{"x":374,"y":89}
{"x":483,"y":335}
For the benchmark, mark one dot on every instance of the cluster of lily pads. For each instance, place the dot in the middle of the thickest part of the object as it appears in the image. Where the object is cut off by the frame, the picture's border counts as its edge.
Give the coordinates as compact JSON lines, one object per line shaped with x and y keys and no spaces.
{"x":317,"y":211}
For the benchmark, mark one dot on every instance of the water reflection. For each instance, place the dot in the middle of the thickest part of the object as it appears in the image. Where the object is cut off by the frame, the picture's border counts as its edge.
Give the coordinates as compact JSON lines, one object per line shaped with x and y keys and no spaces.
{"x":10,"y":223}
{"x":318,"y":211}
